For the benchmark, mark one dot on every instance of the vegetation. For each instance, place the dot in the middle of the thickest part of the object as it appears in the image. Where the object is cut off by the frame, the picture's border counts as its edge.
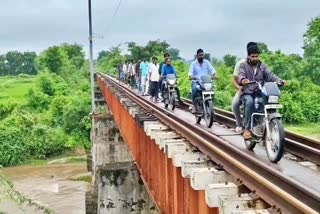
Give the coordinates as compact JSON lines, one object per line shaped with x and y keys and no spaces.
{"x":14,"y":63}
{"x":14,"y":88}
{"x":300,"y":98}
{"x":53,"y":115}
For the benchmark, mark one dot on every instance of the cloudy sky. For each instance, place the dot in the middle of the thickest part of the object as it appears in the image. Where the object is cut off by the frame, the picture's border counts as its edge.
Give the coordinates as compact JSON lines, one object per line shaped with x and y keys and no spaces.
{"x":217,"y":26}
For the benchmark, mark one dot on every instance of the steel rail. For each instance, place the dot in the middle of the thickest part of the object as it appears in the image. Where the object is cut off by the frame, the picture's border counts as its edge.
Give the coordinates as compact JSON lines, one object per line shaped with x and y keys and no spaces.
{"x":301,"y":146}
{"x":271,"y":185}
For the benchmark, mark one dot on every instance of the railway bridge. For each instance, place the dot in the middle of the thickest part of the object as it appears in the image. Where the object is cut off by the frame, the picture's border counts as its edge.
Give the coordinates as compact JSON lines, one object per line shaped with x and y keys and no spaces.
{"x":147,"y":159}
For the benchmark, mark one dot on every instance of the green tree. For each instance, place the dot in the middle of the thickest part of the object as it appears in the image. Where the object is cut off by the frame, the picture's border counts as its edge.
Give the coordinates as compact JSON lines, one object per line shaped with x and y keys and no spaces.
{"x":263,"y":47}
{"x":174,"y":53}
{"x":152,"y":48}
{"x":285,"y":66}
{"x":75,"y":54}
{"x":230,"y":60}
{"x":312,"y":50}
{"x":110,"y":60}
{"x":52,"y":59}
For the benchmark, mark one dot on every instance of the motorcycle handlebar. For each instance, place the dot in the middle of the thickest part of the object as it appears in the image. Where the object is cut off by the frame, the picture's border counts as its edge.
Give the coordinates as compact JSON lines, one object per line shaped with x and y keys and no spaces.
{"x":279,"y":83}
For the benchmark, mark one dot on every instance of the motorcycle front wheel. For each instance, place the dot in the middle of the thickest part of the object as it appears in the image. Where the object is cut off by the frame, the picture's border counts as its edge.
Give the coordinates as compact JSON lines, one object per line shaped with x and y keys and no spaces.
{"x":275,"y":143}
{"x":198,"y":111}
{"x":208,"y":113}
{"x":172,"y":101}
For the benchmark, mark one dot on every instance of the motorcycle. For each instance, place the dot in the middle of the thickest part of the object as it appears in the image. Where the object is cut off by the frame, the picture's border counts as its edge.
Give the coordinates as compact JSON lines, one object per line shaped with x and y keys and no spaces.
{"x":170,"y":91}
{"x":266,"y":125}
{"x":204,"y":101}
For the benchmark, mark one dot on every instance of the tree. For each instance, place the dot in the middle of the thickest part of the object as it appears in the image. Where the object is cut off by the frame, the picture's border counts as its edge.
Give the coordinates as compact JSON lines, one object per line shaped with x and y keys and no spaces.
{"x":15,"y":62}
{"x":110,"y":60}
{"x":207,"y":56}
{"x":137,"y":52}
{"x":101,"y":54}
{"x":153,"y":48}
{"x":74,"y":53}
{"x":285,"y":66}
{"x":263,"y":48}
{"x":28,"y":66}
{"x":52,"y":59}
{"x":174,"y":53}
{"x":230,"y":60}
{"x":312,"y":50}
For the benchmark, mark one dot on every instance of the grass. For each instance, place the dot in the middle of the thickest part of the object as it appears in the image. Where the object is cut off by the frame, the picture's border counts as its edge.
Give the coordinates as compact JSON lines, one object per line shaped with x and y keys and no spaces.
{"x":85,"y":178}
{"x":310,"y":129}
{"x":61,"y":159}
{"x":15,"y":88}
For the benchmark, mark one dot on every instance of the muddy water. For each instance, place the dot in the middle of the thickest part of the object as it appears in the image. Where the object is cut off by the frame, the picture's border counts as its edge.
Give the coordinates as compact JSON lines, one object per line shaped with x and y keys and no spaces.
{"x":51,"y":185}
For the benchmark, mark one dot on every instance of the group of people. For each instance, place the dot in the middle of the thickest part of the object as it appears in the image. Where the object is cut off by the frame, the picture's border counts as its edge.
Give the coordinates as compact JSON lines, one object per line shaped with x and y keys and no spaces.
{"x":246,"y":70}
{"x":127,"y":72}
{"x":148,"y":78}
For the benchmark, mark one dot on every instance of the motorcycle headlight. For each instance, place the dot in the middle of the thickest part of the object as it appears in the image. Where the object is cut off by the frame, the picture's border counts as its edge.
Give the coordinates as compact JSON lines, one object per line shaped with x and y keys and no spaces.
{"x":207,"y":86}
{"x":273,"y":99}
{"x":171,"y":82}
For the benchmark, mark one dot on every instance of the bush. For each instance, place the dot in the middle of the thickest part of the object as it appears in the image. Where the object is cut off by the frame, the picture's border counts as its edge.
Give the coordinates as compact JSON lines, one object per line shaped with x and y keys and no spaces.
{"x":25,"y":76}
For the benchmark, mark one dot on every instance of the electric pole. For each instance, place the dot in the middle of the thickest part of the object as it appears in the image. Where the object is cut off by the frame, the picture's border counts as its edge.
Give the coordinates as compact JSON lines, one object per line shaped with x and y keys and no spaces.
{"x":91,"y":58}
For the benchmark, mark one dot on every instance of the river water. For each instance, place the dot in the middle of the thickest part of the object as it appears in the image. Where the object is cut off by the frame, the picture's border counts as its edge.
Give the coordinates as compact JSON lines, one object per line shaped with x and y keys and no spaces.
{"x":53,"y":186}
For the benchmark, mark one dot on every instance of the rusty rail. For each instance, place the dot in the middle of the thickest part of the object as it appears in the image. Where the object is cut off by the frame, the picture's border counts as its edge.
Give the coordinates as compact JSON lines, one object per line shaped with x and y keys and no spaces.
{"x":301,"y":146}
{"x":278,"y":190}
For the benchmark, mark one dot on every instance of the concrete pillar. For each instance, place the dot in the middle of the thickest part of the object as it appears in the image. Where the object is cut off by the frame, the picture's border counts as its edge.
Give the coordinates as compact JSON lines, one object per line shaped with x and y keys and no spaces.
{"x":236,"y":203}
{"x":117,"y":186}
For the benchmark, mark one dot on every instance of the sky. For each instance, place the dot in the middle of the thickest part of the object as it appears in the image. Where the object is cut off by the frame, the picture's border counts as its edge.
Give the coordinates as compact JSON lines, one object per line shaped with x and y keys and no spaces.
{"x":217,"y":26}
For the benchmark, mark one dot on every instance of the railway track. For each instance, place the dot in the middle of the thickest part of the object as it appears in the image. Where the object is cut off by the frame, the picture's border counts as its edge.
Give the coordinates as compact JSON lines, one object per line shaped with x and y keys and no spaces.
{"x":301,"y":146}
{"x":280,"y":191}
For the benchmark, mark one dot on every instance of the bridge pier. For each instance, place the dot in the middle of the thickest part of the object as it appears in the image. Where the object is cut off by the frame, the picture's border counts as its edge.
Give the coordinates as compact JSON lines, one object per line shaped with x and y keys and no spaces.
{"x":117,"y":186}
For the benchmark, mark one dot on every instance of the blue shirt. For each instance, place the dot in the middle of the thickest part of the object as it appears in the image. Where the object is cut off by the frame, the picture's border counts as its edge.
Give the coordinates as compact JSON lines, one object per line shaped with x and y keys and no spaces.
{"x":197,"y":70}
{"x":168,"y":70}
{"x":144,"y":68}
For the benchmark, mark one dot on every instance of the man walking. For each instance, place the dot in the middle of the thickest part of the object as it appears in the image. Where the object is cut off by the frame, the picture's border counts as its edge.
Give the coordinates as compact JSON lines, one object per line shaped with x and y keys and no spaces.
{"x":154,"y":79}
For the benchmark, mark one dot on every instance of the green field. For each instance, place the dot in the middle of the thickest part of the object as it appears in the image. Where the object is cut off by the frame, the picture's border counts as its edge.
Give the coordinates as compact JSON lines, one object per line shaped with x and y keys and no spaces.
{"x":311,"y":130}
{"x":15,"y":88}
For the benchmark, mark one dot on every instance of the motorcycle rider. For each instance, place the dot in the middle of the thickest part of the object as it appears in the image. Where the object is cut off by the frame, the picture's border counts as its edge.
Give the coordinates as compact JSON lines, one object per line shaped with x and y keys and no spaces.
{"x":252,"y":70}
{"x":236,"y":101}
{"x":198,"y":68}
{"x":166,"y":56}
{"x":168,"y":69}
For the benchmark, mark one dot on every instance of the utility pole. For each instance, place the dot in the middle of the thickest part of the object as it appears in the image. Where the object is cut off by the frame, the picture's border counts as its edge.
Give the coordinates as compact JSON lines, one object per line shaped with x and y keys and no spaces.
{"x":91,"y":58}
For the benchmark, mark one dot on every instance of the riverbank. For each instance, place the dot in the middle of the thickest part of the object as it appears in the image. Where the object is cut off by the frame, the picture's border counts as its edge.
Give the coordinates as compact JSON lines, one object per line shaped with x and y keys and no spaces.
{"x":58,"y":185}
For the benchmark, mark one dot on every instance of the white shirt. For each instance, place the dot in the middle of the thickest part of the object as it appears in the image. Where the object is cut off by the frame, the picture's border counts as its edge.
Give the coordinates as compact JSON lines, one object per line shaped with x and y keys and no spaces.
{"x":125,"y":68}
{"x":133,"y":69}
{"x":154,"y":72}
{"x":130,"y":68}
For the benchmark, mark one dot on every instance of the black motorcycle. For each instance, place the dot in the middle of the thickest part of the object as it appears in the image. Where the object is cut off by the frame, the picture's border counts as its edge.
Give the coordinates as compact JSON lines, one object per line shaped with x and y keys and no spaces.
{"x":266,"y":125}
{"x":170,"y":91}
{"x":204,"y":101}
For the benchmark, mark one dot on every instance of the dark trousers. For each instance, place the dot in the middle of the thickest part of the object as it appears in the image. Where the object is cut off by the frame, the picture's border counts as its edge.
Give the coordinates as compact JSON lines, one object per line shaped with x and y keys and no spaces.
{"x":248,"y":102}
{"x":154,"y":89}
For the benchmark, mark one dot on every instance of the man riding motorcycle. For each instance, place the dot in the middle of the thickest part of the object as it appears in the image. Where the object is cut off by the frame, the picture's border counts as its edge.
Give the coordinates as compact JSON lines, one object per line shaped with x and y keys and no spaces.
{"x":198,"y":68}
{"x":166,"y":69}
{"x":236,"y":101}
{"x":252,"y":70}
